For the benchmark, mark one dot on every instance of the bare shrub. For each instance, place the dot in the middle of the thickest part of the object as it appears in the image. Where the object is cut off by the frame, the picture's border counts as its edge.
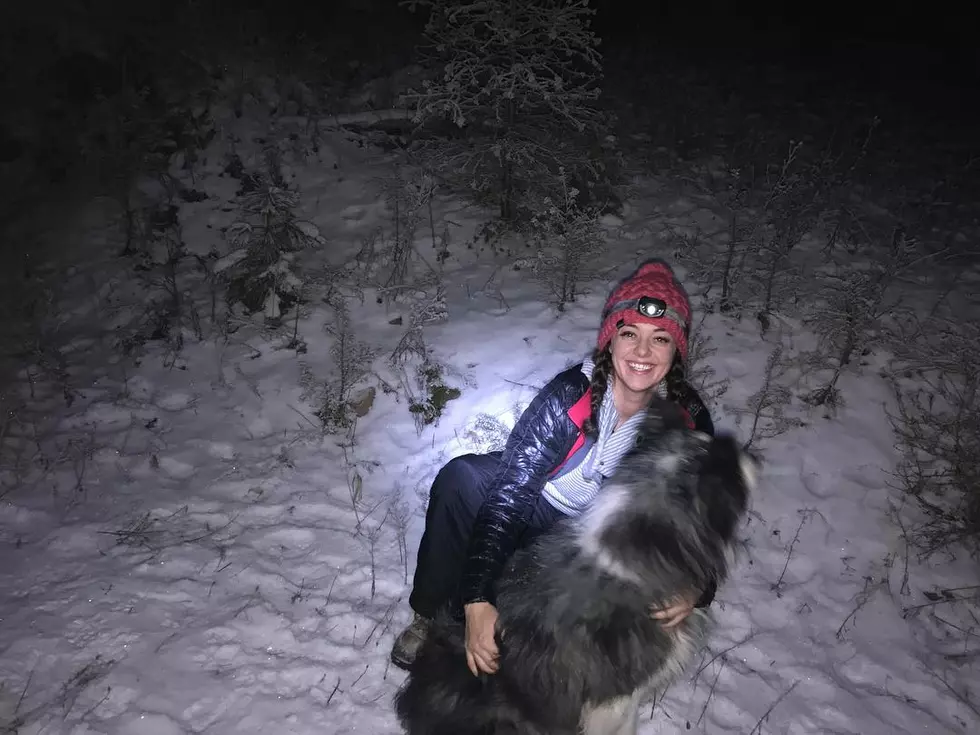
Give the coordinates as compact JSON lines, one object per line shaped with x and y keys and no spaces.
{"x":771,"y":209}
{"x":701,"y":375}
{"x":421,"y":375}
{"x":567,"y":242}
{"x":850,"y":309}
{"x":938,"y":430}
{"x":766,"y":409}
{"x":352,"y":360}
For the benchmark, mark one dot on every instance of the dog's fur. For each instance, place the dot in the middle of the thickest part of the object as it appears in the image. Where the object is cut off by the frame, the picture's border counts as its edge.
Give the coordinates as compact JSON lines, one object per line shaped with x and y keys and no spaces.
{"x":578,"y":647}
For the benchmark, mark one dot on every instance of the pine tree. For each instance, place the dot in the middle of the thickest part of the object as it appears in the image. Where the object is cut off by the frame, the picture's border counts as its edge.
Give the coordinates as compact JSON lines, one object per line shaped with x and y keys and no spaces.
{"x":521,"y":82}
{"x":262,"y":273}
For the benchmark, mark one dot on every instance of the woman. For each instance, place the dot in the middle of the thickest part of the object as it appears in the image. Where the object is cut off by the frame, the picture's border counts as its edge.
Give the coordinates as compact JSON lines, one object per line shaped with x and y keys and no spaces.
{"x":568,"y":440}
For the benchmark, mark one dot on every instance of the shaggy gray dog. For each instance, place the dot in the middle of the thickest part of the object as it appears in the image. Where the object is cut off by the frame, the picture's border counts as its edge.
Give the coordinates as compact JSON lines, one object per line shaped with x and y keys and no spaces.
{"x":578,"y":648}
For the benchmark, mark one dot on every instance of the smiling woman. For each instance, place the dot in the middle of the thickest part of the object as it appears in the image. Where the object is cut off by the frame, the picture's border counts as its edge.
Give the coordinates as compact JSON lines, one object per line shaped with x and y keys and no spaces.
{"x":569,"y":440}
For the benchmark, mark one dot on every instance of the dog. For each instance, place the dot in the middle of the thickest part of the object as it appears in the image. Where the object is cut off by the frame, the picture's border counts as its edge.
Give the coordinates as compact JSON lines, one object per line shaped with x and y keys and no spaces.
{"x":578,"y":647}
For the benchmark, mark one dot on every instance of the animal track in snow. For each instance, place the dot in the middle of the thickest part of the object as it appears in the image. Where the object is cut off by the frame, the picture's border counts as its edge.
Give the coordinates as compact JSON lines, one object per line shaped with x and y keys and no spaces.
{"x":176,"y":401}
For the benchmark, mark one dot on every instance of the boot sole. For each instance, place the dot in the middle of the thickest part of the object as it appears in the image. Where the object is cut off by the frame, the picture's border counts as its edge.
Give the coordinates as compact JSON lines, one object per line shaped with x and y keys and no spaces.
{"x":401,"y":662}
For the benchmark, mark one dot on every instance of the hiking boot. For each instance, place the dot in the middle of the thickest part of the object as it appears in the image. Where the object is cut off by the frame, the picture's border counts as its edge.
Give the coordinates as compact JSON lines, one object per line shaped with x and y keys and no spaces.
{"x":408,"y":643}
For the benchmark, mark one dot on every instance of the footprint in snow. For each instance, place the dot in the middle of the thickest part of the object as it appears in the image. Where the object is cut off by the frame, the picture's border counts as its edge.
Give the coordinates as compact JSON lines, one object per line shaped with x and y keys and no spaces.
{"x":175,"y":468}
{"x":221,"y":450}
{"x":867,"y":476}
{"x":735,"y":368}
{"x":175,"y":401}
{"x":816,"y":486}
{"x":352,"y":213}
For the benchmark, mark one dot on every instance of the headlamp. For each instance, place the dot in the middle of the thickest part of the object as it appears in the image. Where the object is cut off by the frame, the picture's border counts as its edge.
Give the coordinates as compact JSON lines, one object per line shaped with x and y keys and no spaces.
{"x":650,"y":307}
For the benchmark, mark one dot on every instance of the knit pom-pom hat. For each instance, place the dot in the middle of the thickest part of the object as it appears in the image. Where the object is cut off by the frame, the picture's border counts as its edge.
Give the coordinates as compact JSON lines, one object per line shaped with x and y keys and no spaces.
{"x":654,"y":279}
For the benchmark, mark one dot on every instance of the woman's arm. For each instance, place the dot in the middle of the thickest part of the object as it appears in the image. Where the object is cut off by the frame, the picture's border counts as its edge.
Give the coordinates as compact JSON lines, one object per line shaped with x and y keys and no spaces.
{"x":539,"y":440}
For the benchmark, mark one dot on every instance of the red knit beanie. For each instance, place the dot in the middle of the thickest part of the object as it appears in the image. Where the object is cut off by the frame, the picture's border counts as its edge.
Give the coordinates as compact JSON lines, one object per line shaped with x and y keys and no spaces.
{"x":653,"y":278}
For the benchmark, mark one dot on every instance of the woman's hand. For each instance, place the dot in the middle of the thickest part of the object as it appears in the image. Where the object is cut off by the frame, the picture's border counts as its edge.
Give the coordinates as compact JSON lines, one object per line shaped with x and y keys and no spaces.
{"x":481,"y":648}
{"x":675,"y":611}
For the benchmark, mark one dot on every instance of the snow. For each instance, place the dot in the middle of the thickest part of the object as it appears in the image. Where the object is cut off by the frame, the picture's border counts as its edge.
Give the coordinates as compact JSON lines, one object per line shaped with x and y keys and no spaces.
{"x":182,"y":550}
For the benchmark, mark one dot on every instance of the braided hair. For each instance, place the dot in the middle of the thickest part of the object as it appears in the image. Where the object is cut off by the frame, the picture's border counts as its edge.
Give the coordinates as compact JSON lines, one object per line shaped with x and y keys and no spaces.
{"x":678,"y":389}
{"x":601,"y":373}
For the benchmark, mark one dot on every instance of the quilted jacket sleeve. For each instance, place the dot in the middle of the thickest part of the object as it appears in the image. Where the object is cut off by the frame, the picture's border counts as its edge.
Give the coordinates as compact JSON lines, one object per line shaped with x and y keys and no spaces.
{"x":539,"y":441}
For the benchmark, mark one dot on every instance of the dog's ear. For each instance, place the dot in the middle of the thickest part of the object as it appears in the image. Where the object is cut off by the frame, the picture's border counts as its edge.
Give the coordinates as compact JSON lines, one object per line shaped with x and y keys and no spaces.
{"x":673,"y":417}
{"x":751,"y":467}
{"x":662,"y":416}
{"x":726,"y":478}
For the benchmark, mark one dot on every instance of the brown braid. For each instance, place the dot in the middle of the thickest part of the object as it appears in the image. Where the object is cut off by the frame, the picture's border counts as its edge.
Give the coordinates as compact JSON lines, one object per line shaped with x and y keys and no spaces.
{"x":600,"y":382}
{"x":678,"y":389}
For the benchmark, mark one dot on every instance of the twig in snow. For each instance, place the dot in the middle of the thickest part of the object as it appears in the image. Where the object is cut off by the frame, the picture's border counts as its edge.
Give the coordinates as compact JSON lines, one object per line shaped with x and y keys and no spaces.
{"x":372,"y":537}
{"x":711,"y":691}
{"x":354,"y":488}
{"x":79,"y":681}
{"x":780,"y":698}
{"x":248,"y":603}
{"x":90,"y":710}
{"x":23,"y":692}
{"x":722,"y":653}
{"x":962,"y":698}
{"x":522,"y":385}
{"x":322,"y":610}
{"x":137,"y":534}
{"x":904,"y":589}
{"x":298,"y":594}
{"x":946,"y":599}
{"x":165,"y":641}
{"x":658,"y":700}
{"x":960,"y":628}
{"x":361,"y":675}
{"x":385,"y":619}
{"x":863,"y":597}
{"x":306,"y":418}
{"x":336,"y":688}
{"x":947,"y":590}
{"x":777,"y":586}
{"x":400,"y":516}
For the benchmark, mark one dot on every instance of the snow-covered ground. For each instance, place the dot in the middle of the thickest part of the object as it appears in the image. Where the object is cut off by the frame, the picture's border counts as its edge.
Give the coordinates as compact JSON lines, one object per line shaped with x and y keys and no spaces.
{"x":182,"y":550}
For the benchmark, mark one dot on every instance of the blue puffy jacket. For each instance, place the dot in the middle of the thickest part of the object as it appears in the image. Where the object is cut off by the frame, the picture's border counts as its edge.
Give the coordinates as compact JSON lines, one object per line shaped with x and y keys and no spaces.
{"x":544,"y":436}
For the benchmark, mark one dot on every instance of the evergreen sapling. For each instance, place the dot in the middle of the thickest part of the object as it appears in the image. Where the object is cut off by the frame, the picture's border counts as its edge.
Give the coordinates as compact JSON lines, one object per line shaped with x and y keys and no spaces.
{"x":848,"y":311}
{"x":520,"y":84}
{"x":261,"y":269}
{"x":568,"y":244}
{"x":766,"y":408}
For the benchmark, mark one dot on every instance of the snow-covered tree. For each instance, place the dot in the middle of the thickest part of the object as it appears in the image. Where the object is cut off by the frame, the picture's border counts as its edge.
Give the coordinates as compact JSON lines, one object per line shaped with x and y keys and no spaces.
{"x":261,"y":268}
{"x":520,"y":81}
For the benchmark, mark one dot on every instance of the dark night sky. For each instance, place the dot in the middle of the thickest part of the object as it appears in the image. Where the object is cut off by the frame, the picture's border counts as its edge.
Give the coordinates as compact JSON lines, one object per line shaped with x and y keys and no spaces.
{"x":925,"y":64}
{"x":880,"y":38}
{"x":794,"y":33}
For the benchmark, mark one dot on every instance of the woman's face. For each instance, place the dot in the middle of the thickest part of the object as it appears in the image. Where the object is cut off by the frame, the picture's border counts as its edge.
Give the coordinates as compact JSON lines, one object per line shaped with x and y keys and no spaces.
{"x":642,"y":355}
